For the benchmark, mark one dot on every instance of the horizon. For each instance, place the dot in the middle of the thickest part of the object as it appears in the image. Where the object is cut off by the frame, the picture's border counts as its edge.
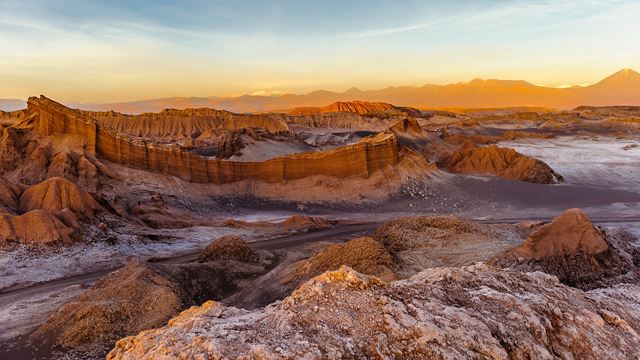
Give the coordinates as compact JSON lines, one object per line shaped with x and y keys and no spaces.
{"x":109,"y":52}
{"x":275,"y":95}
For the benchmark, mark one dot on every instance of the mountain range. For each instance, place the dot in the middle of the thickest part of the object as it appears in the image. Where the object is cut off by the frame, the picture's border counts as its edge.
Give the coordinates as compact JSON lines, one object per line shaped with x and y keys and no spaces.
{"x":621,"y":88}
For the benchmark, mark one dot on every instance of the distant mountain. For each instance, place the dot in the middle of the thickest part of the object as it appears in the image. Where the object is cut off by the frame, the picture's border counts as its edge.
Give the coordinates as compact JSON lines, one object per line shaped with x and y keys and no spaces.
{"x":621,"y":88}
{"x":12,"y":104}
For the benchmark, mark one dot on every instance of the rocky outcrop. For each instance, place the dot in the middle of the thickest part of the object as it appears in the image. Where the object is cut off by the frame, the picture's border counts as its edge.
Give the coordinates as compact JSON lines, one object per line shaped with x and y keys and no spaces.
{"x":57,"y":194}
{"x":295,"y":223}
{"x":9,"y":195}
{"x":37,"y":227}
{"x":137,"y":297}
{"x":406,"y":127}
{"x":12,"y":143}
{"x":230,"y":247}
{"x":359,"y":107}
{"x":470,"y":312}
{"x":566,"y":235}
{"x":363,"y":254}
{"x":306,"y":223}
{"x":355,"y":160}
{"x":172,"y":124}
{"x":499,"y":161}
{"x":420,"y":242}
{"x":579,"y":254}
{"x":49,"y":212}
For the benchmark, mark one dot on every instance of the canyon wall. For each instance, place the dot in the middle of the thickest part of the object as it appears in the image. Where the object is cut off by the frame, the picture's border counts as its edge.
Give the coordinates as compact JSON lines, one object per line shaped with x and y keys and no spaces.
{"x":172,"y":124}
{"x":356,"y":160}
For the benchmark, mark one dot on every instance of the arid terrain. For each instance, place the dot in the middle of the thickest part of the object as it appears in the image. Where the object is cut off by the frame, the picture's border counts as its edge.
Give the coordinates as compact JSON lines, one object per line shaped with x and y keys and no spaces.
{"x":343,"y":229}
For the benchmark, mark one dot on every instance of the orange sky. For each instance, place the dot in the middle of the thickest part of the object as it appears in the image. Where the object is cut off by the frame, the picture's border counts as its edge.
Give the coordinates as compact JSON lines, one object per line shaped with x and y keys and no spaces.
{"x":122,"y":50}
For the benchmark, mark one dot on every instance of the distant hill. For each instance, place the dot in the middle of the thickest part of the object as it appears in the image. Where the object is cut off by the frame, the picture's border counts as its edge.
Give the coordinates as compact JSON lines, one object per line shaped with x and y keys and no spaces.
{"x":621,"y":88}
{"x":12,"y":104}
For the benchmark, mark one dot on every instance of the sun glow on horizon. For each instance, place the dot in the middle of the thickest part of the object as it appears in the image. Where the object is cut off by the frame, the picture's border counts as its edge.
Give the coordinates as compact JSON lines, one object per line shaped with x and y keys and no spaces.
{"x":121,"y":51}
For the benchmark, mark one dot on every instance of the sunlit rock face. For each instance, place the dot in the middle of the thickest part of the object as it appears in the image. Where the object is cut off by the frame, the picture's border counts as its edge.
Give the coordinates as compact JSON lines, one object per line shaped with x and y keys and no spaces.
{"x":359,"y":107}
{"x":502,"y":162}
{"x":357,"y":160}
{"x":471,"y":312}
{"x":579,"y":254}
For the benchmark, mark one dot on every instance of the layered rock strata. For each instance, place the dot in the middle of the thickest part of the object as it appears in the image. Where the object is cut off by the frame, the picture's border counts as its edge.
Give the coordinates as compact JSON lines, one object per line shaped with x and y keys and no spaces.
{"x":356,"y":160}
{"x":172,"y":124}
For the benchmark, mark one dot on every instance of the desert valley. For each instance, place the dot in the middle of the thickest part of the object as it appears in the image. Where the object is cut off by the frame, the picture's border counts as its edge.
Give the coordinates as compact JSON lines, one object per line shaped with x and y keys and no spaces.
{"x":191,"y":180}
{"x":357,"y":229}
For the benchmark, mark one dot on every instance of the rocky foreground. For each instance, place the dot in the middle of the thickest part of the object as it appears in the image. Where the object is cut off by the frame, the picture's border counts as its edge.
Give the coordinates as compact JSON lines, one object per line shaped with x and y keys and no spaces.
{"x":476,"y":312}
{"x":568,"y":291}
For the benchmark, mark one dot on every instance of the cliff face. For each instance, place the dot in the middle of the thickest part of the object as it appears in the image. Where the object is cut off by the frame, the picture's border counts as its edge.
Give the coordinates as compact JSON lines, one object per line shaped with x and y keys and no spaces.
{"x":356,"y":160}
{"x":172,"y":124}
{"x":360,"y":107}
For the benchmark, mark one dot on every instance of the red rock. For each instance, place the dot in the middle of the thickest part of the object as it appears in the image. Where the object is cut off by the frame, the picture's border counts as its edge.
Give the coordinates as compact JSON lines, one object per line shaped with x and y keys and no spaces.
{"x":567,"y":234}
{"x":360,"y":107}
{"x":57,"y":194}
{"x":499,"y":161}
{"x":35,"y":227}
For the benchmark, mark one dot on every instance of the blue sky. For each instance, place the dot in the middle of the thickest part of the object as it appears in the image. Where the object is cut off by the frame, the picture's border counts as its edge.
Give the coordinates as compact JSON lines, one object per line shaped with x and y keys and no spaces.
{"x":128,"y":50}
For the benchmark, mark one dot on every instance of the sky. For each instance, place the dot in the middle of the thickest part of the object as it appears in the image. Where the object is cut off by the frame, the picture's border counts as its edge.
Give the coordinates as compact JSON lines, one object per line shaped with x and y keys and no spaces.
{"x":110,"y":51}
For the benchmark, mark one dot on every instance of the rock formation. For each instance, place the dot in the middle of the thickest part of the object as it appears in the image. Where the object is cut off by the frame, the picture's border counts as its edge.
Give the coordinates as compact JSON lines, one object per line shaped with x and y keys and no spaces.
{"x":9,"y":195}
{"x":406,"y":127}
{"x":356,"y":160}
{"x":470,"y":312}
{"x":230,"y":247}
{"x":566,"y":235}
{"x":420,"y":242}
{"x":57,"y":194}
{"x":578,"y":253}
{"x":46,"y":213}
{"x":295,"y":223}
{"x":306,"y":223}
{"x":359,"y":107}
{"x":172,"y":124}
{"x":364,"y":254}
{"x":137,"y":297}
{"x":499,"y":161}
{"x":37,"y":227}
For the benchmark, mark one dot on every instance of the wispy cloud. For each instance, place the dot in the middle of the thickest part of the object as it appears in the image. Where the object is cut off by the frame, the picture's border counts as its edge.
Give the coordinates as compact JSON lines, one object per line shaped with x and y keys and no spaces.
{"x":395,"y":30}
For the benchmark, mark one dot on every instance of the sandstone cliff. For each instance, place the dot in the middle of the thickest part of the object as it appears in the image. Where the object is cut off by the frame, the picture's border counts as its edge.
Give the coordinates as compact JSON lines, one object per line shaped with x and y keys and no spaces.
{"x":356,"y":160}
{"x":470,"y":312}
{"x":172,"y":124}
